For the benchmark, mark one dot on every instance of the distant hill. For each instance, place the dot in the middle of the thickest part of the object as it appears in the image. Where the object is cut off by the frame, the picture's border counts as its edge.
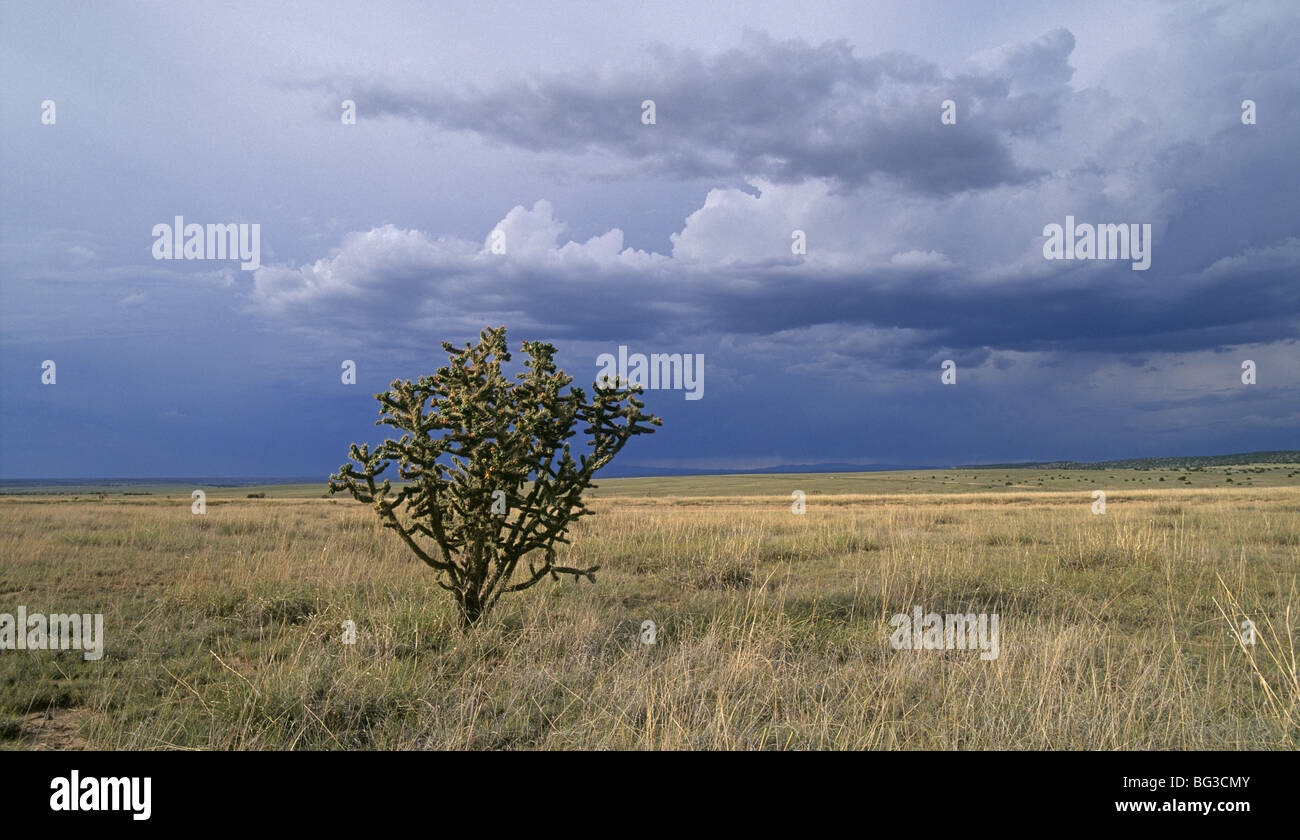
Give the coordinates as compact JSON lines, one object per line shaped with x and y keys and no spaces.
{"x":1280,"y":456}
{"x":13,"y":486}
{"x":615,"y":471}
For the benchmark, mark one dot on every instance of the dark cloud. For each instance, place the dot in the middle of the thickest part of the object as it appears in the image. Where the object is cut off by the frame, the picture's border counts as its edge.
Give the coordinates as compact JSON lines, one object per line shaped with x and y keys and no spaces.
{"x":598,"y":291}
{"x":784,"y":110}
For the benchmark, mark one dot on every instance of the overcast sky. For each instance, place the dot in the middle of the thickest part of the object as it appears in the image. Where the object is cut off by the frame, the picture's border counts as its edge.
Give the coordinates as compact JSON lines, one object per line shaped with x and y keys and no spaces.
{"x":924,"y":240}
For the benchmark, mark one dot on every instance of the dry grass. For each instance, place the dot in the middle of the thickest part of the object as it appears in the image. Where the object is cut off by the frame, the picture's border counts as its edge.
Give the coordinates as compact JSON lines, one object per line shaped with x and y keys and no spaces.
{"x":1117,"y":631}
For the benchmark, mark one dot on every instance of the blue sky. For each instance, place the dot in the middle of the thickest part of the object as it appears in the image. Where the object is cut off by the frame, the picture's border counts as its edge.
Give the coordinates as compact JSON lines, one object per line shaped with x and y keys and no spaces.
{"x":924,"y":239}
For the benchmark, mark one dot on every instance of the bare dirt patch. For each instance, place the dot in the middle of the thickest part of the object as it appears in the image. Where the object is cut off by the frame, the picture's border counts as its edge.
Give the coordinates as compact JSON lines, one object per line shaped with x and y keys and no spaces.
{"x":56,"y":729}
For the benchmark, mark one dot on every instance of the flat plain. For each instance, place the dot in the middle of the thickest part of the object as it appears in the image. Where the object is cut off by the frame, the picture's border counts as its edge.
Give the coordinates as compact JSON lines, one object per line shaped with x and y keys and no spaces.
{"x":1119,"y":630}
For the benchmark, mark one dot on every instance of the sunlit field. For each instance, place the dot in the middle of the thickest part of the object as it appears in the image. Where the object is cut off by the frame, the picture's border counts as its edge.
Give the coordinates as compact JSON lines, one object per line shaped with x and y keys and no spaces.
{"x":1119,"y":630}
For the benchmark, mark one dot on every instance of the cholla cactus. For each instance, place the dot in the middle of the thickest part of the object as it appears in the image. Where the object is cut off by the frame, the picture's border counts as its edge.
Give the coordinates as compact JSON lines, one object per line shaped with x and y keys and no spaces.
{"x":484,"y":465}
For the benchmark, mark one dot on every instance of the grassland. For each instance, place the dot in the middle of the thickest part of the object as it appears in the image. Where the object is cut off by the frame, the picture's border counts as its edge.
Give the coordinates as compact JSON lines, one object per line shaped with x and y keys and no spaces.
{"x":1118,"y":631}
